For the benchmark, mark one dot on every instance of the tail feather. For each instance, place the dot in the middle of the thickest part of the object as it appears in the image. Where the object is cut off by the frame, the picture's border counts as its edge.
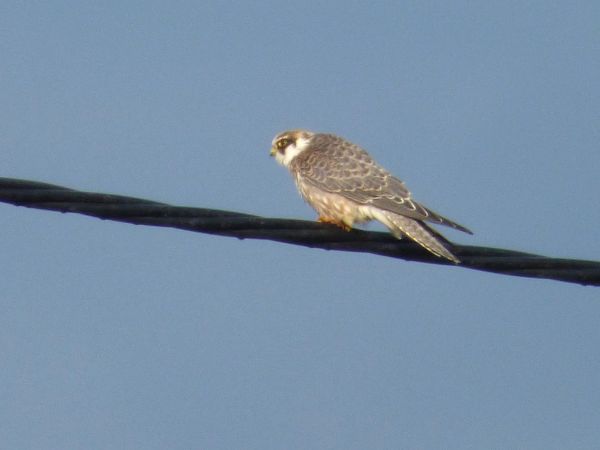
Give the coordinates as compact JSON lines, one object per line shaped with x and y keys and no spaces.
{"x":417,"y":231}
{"x":436,"y":218}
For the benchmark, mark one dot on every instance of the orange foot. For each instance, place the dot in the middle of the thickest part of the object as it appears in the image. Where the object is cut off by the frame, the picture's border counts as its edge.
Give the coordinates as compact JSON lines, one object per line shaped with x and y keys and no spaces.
{"x":335,"y":222}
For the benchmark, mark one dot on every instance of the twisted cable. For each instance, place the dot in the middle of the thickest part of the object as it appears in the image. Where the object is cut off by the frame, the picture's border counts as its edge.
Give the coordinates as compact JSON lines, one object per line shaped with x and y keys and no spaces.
{"x":33,"y":194}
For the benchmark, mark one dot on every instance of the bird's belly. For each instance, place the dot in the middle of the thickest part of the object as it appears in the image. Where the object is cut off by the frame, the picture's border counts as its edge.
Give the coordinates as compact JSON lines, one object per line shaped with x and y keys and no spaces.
{"x":336,"y":207}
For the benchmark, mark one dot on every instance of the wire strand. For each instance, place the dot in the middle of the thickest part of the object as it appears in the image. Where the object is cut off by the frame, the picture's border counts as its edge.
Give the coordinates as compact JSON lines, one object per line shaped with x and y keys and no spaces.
{"x":33,"y":194}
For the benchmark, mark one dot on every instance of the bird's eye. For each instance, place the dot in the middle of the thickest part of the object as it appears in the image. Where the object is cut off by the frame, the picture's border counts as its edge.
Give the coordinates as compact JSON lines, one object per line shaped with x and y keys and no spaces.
{"x":282,"y":144}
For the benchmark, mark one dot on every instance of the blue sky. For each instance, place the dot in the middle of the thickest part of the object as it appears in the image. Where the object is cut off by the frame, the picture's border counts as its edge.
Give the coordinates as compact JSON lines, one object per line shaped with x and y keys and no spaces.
{"x":119,"y":336}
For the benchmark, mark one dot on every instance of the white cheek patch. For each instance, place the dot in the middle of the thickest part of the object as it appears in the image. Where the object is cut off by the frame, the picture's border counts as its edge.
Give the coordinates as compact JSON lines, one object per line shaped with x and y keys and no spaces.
{"x":292,"y":151}
{"x":279,"y":158}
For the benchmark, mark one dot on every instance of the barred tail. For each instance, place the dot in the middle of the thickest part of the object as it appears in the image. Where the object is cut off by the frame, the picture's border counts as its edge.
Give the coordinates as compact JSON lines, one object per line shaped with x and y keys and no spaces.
{"x":417,"y":231}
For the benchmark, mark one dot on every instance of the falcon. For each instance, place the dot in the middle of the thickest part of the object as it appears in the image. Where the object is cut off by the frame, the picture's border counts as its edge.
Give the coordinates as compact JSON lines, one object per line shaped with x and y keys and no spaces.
{"x":343,"y":183}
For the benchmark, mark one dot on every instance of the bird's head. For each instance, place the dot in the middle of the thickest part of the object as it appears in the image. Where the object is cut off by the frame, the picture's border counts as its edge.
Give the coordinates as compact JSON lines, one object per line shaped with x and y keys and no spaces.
{"x":289,"y":144}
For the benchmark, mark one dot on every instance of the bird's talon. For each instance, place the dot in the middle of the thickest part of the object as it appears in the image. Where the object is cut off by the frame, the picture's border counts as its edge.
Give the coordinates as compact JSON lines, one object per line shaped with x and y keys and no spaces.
{"x":337,"y":223}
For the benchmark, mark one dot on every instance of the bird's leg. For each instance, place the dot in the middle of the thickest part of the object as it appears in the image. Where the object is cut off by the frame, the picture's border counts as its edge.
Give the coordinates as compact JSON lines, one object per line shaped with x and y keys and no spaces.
{"x":332,"y":221}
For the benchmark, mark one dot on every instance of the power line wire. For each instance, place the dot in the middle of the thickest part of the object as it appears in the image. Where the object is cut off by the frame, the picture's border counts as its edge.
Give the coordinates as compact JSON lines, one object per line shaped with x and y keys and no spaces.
{"x":33,"y":194}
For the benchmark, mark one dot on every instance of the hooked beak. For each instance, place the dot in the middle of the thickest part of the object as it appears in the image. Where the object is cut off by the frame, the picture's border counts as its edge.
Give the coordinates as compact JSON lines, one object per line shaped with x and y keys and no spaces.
{"x":273,"y":151}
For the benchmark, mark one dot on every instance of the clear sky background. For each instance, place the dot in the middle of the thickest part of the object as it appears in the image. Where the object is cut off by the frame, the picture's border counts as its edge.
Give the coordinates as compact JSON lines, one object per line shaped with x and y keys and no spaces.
{"x":115,"y":336}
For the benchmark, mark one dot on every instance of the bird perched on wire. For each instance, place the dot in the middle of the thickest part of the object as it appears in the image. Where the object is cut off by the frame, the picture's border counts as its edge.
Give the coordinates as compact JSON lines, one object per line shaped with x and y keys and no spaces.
{"x":343,"y":183}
